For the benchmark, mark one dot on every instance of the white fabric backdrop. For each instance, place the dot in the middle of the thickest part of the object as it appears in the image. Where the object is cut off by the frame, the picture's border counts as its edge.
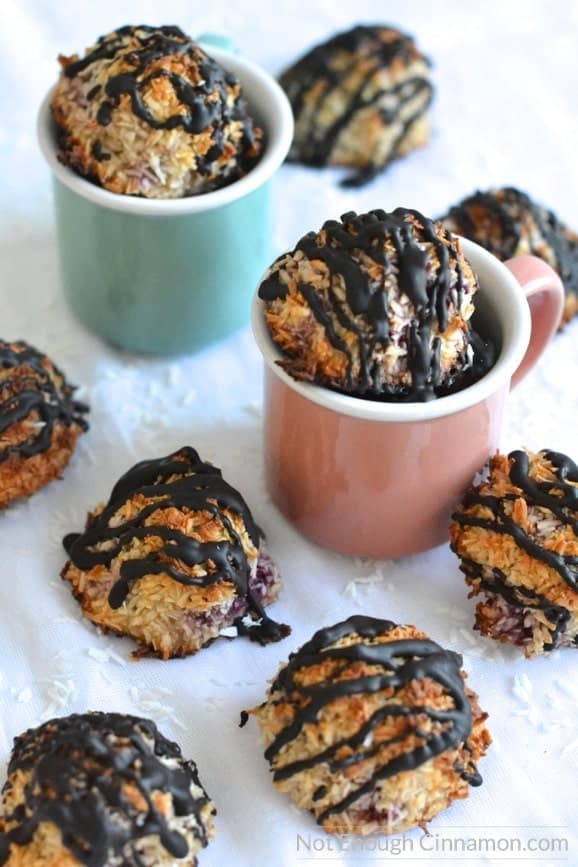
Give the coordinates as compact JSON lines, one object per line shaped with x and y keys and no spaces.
{"x":505,"y":112}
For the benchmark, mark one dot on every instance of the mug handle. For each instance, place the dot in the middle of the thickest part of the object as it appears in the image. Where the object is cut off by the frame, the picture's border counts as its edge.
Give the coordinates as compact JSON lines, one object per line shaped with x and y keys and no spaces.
{"x":544,"y":292}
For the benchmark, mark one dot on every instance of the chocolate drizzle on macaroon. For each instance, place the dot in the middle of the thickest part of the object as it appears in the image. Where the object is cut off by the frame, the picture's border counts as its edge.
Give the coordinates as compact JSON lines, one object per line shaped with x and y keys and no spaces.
{"x":31,"y":385}
{"x":433,"y":289}
{"x":516,"y":534}
{"x":94,"y":776}
{"x":146,"y":112}
{"x":522,"y":604}
{"x":321,"y":79}
{"x":206,"y":102}
{"x":507,"y":222}
{"x":181,"y":481}
{"x":557,"y":496}
{"x":332,"y":666}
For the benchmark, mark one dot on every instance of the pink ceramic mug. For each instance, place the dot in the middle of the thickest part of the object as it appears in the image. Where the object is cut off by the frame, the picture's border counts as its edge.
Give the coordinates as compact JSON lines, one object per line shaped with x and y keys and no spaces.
{"x":380,"y":479}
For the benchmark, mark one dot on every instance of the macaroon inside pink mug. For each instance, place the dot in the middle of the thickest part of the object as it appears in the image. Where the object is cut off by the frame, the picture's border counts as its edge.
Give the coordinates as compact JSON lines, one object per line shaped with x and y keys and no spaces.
{"x":380,"y":479}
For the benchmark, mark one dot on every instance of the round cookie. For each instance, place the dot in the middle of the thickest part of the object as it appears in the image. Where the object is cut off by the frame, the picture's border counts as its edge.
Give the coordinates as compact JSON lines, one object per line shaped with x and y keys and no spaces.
{"x":101,"y":789}
{"x":371,"y":728}
{"x":174,"y":559}
{"x":508,"y":223}
{"x":39,"y":421}
{"x":516,"y":534}
{"x":360,"y":100}
{"x":146,"y":112}
{"x":377,"y":305}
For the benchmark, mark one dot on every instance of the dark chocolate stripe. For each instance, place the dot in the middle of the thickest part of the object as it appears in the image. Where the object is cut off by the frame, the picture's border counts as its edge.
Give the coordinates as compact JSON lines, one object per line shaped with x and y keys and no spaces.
{"x":180,"y":481}
{"x":558,"y":496}
{"x":431,"y":298}
{"x":207,"y":101}
{"x":399,"y":663}
{"x":80,"y":767}
{"x":317,"y":69}
{"x":26,"y":387}
{"x":498,"y":220}
{"x":520,"y":597}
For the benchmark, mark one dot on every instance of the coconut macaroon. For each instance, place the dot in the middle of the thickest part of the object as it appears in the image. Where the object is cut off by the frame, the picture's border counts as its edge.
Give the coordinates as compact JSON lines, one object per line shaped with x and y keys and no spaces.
{"x":371,"y":728}
{"x":40,"y":421}
{"x":174,"y":559}
{"x":146,"y":112}
{"x":516,"y":534}
{"x":509,"y":223}
{"x":377,"y":305}
{"x":359,"y":100}
{"x":101,"y":789}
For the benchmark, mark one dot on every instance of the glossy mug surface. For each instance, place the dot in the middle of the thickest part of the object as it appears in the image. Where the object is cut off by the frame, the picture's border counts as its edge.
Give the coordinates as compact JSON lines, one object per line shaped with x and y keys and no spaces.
{"x":380,"y":479}
{"x":169,"y":276}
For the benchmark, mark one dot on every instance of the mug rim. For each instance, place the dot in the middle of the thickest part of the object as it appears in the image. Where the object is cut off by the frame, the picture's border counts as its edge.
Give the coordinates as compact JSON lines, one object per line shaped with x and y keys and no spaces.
{"x":507,"y":298}
{"x":279,"y":124}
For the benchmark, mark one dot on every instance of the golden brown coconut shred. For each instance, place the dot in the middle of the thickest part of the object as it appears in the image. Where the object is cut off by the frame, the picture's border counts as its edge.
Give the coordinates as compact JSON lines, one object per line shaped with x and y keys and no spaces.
{"x":146,"y":112}
{"x":370,"y":727}
{"x":516,"y":534}
{"x":40,"y":421}
{"x":174,"y":560}
{"x":508,"y":223}
{"x":360,"y":99}
{"x":377,"y":305}
{"x":97,"y":789}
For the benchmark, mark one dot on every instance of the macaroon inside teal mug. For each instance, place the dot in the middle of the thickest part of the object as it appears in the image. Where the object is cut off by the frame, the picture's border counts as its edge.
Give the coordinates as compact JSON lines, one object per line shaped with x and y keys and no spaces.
{"x":169,"y":276}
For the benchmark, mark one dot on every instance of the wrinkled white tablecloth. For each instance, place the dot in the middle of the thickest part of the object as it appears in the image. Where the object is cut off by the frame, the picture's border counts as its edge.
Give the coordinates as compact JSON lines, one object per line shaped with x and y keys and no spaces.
{"x":505,"y":112}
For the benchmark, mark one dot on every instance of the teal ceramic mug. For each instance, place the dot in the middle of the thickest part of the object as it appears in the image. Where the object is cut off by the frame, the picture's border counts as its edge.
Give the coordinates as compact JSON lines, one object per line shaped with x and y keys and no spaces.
{"x":173,"y":275}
